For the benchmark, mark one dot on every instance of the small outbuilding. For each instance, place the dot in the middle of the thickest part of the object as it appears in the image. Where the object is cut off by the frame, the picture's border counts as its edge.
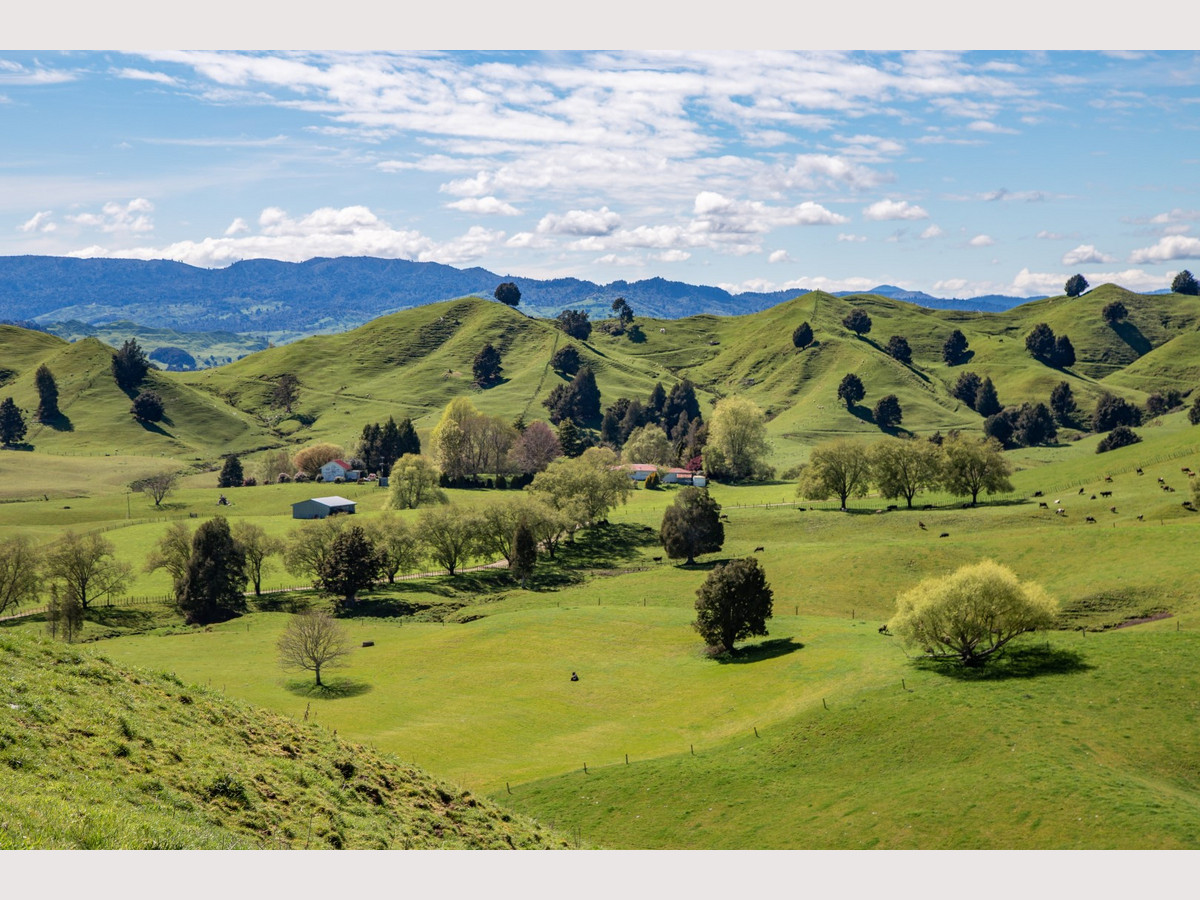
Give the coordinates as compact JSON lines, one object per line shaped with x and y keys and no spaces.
{"x":320,"y":507}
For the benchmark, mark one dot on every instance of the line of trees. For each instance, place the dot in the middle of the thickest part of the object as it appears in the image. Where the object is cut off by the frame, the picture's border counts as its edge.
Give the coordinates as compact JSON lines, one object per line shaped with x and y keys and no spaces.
{"x":898,"y":468}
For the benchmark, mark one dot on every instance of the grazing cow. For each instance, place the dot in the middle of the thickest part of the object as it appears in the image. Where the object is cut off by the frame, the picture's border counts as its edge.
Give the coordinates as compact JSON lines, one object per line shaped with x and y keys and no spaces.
{"x":760,"y":549}
{"x":1160,"y":481}
{"x":1060,"y":511}
{"x":921,"y":525}
{"x":1139,"y":518}
{"x":1043,"y":506}
{"x":1106,"y":493}
{"x":892,"y":506}
{"x":1081,"y":490}
{"x":1057,"y":502}
{"x":658,"y":559}
{"x":944,"y":534}
{"x":1191,"y":474}
{"x":1037,"y":493}
{"x":1185,"y":470}
{"x":1108,"y":478}
{"x":883,"y":629}
{"x":1140,"y":472}
{"x":725,"y":517}
{"x":1089,"y":519}
{"x":1112,"y":509}
{"x":1093,"y":496}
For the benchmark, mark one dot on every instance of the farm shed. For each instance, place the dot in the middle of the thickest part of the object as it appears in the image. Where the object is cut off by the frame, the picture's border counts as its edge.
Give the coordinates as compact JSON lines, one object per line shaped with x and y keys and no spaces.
{"x":320,"y":507}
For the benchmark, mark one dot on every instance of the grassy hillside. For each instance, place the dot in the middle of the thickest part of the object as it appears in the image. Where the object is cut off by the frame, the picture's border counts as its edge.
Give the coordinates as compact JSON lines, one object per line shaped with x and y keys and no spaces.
{"x":99,"y":757}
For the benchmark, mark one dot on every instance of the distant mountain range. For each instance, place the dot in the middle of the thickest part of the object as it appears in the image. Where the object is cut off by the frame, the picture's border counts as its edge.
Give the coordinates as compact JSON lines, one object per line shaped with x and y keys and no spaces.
{"x":289,"y":300}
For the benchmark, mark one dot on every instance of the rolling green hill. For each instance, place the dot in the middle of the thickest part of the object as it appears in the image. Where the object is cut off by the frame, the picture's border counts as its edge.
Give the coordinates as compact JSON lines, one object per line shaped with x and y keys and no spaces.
{"x":96,"y":756}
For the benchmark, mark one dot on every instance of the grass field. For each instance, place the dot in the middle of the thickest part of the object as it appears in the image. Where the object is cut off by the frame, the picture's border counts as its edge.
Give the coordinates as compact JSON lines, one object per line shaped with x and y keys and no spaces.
{"x":823,"y":734}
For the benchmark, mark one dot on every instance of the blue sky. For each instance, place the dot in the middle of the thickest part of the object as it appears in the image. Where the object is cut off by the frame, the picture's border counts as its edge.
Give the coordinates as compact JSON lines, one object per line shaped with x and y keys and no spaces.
{"x":955,"y":173}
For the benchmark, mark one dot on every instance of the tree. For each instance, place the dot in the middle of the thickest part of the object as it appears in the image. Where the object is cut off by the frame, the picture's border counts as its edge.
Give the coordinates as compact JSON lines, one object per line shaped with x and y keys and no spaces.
{"x":486,"y":367}
{"x":649,"y":444}
{"x":450,"y":534}
{"x":583,"y":489}
{"x":85,"y":569}
{"x":310,"y":459}
{"x":574,"y":322}
{"x":215,"y":577}
{"x":286,"y":393}
{"x":841,"y":467}
{"x":656,"y":403}
{"x":851,"y":390}
{"x":313,"y":641}
{"x":623,"y":311}
{"x":857,"y":321}
{"x":1001,"y":426}
{"x":972,"y":614}
{"x":534,"y":450}
{"x":1120,"y":436}
{"x":692,"y":525}
{"x":351,"y":565}
{"x":397,"y":544}
{"x":737,"y":440}
{"x":1114,"y":312}
{"x":897,"y":348}
{"x":231,"y":473}
{"x":525,"y":553}
{"x":974,"y":465}
{"x":1194,"y":411}
{"x":1062,"y":403}
{"x":681,"y":400}
{"x":1040,"y":343}
{"x":733,"y":603}
{"x":308,"y":546}
{"x":966,"y":388}
{"x":172,"y":552}
{"x":954,"y":351}
{"x":887,"y":412}
{"x":565,"y":360}
{"x":1185,"y":283}
{"x":47,"y":389}
{"x":407,"y":440}
{"x":1112,"y":411}
{"x":12,"y":423}
{"x":257,"y":547}
{"x":902,"y":468}
{"x":414,"y":483}
{"x":1160,"y":403}
{"x":497,"y":523}
{"x":508,"y":293}
{"x":1075,"y":285}
{"x":156,"y":486}
{"x":802,"y":336}
{"x":20,"y":571}
{"x":272,"y":464}
{"x":147,"y":406}
{"x":1034,"y":425}
{"x":1064,"y":352}
{"x":570,"y":439}
{"x":129,"y":365}
{"x":63,"y":612}
{"x":987,"y":403}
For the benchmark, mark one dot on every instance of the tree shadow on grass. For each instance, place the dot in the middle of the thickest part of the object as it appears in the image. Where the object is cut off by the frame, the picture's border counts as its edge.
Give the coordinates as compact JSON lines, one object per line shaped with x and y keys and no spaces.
{"x":763,"y":650}
{"x":1022,"y":662}
{"x":121,"y":617}
{"x":332,"y":689}
{"x":1133,"y":337}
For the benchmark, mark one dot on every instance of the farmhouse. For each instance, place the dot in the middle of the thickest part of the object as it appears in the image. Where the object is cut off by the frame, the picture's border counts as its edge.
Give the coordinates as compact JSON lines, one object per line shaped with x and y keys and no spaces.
{"x":320,"y":507}
{"x":639,"y":471}
{"x":338,"y":468}
{"x":684,"y":476}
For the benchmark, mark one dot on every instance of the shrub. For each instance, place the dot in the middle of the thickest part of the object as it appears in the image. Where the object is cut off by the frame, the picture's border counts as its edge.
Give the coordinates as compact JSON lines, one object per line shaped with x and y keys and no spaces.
{"x":250,"y":481}
{"x":283,"y":478}
{"x":802,"y":336}
{"x":1112,"y":411}
{"x":1121,"y":436}
{"x":897,"y":348}
{"x":652,"y":481}
{"x":858,"y":321}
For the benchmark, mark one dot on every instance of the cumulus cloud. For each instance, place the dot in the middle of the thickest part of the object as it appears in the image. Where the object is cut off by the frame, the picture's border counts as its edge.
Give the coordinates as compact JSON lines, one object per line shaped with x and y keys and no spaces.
{"x":1085,"y":253}
{"x":1028,"y":283}
{"x":933,"y":231}
{"x":40,"y":222}
{"x":1173,"y":246}
{"x":673,"y":256}
{"x":852,"y":238}
{"x":981,"y":240}
{"x":325,"y":232}
{"x":115,"y":218}
{"x":581,"y":222}
{"x":779,"y":256}
{"x":715,"y":212}
{"x":484,"y":206}
{"x":237,"y":226}
{"x":885,"y":210}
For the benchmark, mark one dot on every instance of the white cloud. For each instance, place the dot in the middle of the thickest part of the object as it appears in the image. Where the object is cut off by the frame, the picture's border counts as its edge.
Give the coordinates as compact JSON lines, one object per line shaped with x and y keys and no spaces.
{"x":484,"y":206}
{"x":143,"y":75}
{"x":981,"y":240}
{"x":852,"y":238}
{"x":885,"y":210}
{"x":933,"y":231}
{"x":581,"y":222}
{"x":673,"y":256}
{"x":325,"y":232}
{"x":1085,"y":253}
{"x":113,"y":218}
{"x":986,"y":127}
{"x":1050,"y":236}
{"x":39,"y":222}
{"x":715,"y":212}
{"x":1175,"y":215}
{"x":1174,"y":246}
{"x":1028,"y":283}
{"x":237,"y":226}
{"x":780,"y":256}
{"x":612,"y":259}
{"x":950,"y":285}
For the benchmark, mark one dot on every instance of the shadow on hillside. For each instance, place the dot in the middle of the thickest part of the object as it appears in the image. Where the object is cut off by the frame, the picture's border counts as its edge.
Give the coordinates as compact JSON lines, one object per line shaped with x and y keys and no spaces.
{"x":288,"y":602}
{"x":1129,"y":333}
{"x":332,"y":689}
{"x":863,"y":413}
{"x":23,"y":446}
{"x":1022,"y":662}
{"x":124,"y":617}
{"x":154,"y":427}
{"x":757,"y":652}
{"x":59,"y":422}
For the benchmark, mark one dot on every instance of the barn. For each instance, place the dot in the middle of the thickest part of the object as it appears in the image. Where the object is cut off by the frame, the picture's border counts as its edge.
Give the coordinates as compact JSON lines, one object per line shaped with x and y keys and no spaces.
{"x":320,"y":507}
